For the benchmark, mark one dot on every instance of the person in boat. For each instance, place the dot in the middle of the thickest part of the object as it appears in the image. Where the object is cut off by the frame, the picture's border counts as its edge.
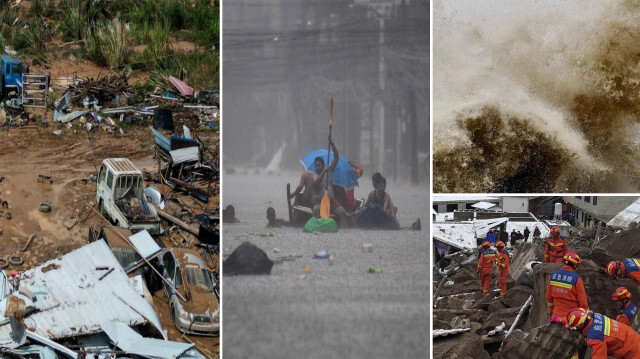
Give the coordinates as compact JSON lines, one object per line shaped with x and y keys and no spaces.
{"x":379,"y":195}
{"x":304,"y":192}
{"x":322,"y":182}
{"x":347,"y":197}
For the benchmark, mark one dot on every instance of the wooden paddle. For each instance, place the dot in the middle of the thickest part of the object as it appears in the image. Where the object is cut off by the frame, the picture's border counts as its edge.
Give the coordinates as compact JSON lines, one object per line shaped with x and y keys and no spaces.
{"x":325,"y":203}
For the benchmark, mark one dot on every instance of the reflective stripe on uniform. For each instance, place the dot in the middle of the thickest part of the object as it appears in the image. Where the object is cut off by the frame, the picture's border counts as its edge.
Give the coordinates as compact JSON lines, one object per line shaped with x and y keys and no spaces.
{"x":560,"y":284}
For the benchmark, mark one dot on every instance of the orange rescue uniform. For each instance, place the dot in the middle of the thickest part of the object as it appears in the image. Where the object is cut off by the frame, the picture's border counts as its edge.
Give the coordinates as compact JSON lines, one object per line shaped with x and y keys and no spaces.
{"x":565,"y":291}
{"x":607,"y":337}
{"x":485,"y":269}
{"x":628,"y":314}
{"x":555,"y":249}
{"x":502,"y":260}
{"x":631,"y":269}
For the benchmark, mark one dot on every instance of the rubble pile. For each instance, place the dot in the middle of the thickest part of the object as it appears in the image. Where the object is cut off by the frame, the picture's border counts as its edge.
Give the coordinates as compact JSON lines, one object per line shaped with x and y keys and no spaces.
{"x":523,"y":312}
{"x":144,"y":280}
{"x":103,"y":88}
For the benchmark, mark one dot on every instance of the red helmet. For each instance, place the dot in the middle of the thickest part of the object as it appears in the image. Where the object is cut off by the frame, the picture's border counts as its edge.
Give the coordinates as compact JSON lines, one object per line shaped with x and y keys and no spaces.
{"x":611,"y":268}
{"x":555,"y":230}
{"x":499,"y":244}
{"x":576,"y":317}
{"x":486,"y":244}
{"x":572,"y":258}
{"x":621,"y":293}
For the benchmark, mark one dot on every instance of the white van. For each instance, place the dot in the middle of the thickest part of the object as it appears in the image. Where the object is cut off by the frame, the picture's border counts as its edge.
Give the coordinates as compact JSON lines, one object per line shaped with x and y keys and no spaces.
{"x":120,"y":196}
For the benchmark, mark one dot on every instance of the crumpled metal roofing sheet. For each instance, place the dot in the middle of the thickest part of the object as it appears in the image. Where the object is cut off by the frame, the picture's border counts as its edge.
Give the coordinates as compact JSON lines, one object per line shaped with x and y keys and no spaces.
{"x":133,"y":343}
{"x":626,"y":216}
{"x":484,"y":205}
{"x":185,"y":90}
{"x":144,"y":243}
{"x":71,"y":300}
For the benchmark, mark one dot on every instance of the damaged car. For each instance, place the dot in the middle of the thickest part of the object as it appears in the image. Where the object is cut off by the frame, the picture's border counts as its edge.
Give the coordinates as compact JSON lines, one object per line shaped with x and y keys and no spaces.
{"x":186,"y":271}
{"x":120,"y":196}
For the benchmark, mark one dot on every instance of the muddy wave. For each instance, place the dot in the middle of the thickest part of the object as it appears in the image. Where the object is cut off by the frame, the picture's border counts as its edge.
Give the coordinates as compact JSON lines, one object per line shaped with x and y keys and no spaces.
{"x":540,"y":98}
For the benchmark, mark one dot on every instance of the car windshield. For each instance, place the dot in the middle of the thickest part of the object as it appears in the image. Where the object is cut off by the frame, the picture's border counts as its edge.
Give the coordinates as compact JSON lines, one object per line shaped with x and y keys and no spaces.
{"x":198,"y":277}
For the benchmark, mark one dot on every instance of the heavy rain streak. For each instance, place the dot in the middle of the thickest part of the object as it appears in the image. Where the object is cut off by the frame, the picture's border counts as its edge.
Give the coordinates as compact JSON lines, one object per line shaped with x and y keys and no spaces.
{"x":536,"y":96}
{"x":284,"y":60}
{"x":282,"y":63}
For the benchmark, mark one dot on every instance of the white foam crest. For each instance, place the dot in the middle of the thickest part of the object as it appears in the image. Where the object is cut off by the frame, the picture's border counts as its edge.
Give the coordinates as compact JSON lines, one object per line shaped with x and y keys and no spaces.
{"x":527,"y":58}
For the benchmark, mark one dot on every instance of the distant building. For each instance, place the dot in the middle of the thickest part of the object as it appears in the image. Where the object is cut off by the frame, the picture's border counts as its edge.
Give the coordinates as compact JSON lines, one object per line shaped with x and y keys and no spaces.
{"x":589,"y":210}
{"x":444,"y":204}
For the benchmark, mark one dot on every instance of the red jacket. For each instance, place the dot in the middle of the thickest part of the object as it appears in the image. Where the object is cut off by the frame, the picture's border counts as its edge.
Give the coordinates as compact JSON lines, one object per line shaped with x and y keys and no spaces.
{"x":607,"y":337}
{"x":487,"y":259}
{"x":565,"y":291}
{"x":555,"y":249}
{"x":503,"y":261}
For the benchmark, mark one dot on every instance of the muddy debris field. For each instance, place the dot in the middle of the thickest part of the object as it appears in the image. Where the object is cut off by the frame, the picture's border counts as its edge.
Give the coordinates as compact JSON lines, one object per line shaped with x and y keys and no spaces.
{"x":152,"y":232}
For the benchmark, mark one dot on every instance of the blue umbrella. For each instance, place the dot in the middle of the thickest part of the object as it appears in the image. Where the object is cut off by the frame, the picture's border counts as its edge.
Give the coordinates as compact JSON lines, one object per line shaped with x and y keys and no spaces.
{"x":343,"y":175}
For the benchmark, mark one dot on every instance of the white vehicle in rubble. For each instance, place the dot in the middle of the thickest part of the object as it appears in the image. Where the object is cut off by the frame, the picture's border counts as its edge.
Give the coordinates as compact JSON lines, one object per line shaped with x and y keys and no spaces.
{"x":120,"y":196}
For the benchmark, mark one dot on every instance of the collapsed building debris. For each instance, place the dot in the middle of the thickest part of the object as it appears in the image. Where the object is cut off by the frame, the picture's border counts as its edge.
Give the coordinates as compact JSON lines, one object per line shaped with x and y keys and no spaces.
{"x":104,"y":88}
{"x":524,"y":311}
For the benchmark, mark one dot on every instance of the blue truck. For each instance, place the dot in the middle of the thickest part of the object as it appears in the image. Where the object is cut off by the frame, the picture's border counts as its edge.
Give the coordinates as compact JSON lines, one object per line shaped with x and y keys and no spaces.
{"x":11,"y":75}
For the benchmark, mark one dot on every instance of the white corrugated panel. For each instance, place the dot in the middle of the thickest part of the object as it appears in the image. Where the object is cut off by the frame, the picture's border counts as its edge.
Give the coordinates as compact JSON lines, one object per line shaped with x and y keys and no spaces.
{"x":459,"y":235}
{"x":483,"y":205}
{"x":71,"y":300}
{"x":627,"y":216}
{"x":133,"y":343}
{"x":187,"y":154}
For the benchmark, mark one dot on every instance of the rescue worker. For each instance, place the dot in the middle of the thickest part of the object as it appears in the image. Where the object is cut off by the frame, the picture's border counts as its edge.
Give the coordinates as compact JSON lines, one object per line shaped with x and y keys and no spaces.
{"x":622,"y":298}
{"x":605,"y":336}
{"x":565,"y":289}
{"x":502,"y":260}
{"x":485,"y":266}
{"x":628,"y":267}
{"x":556,"y":247}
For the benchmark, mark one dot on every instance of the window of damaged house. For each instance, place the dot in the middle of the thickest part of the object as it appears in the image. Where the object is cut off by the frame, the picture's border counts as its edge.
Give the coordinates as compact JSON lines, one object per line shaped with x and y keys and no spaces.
{"x":587,"y":199}
{"x":595,"y":200}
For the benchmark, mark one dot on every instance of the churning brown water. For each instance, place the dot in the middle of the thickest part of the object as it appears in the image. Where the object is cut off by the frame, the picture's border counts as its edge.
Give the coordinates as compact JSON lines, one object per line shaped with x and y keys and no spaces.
{"x":536,"y":96}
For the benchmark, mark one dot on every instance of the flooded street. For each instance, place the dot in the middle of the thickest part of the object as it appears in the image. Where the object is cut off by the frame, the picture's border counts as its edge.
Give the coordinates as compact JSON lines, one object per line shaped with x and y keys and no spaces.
{"x":336,"y":310}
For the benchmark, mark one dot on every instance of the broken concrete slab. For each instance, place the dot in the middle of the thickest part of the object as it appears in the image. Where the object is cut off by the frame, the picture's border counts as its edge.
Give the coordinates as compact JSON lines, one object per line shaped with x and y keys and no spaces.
{"x":517,"y":296}
{"x":621,"y":245}
{"x":460,"y":288}
{"x":496,"y":306}
{"x":464,"y":275}
{"x":551,"y":341}
{"x":524,"y":254}
{"x":511,"y":345}
{"x":466,"y":345}
{"x":507,"y":316}
{"x":449,"y":302}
